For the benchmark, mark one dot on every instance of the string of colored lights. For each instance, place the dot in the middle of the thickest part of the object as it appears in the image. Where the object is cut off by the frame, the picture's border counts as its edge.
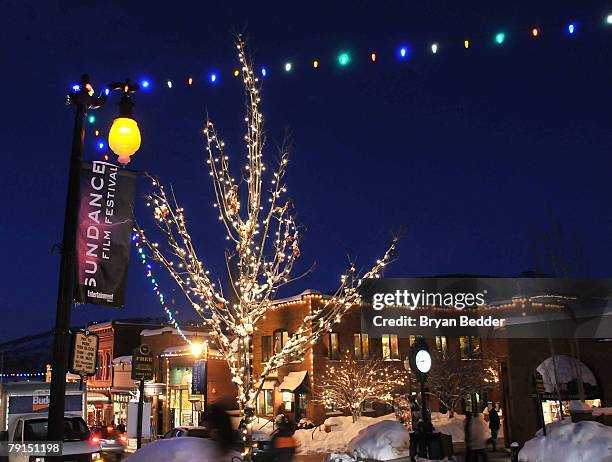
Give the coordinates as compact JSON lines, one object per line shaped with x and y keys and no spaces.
{"x":344,"y":58}
{"x":24,"y":374}
{"x":155,"y":286}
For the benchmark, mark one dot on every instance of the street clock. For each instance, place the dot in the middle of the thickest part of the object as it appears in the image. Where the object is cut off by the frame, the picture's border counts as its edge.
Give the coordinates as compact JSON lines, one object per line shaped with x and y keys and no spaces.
{"x":420,"y":359}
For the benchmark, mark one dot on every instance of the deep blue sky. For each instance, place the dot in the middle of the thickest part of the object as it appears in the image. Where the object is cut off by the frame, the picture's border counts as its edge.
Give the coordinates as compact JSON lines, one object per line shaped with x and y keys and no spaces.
{"x":482,"y":153}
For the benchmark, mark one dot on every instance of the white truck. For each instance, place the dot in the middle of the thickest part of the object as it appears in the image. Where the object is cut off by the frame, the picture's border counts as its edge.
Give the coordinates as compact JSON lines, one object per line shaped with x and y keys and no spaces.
{"x":24,"y":410}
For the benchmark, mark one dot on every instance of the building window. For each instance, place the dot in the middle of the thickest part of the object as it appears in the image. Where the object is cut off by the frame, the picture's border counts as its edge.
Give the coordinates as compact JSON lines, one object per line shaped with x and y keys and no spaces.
{"x":333,"y":345}
{"x":108,"y":366}
{"x":469,"y":347}
{"x":390,"y":348}
{"x":361,"y":346}
{"x":266,"y":348}
{"x":100,"y":367}
{"x":441,"y":345}
{"x":266,"y":402}
{"x":288,"y":398}
{"x":280,"y":339}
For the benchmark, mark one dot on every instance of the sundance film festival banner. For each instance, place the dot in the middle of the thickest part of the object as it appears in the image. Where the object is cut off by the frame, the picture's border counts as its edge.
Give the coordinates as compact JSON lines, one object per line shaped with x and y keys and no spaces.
{"x":103,"y":235}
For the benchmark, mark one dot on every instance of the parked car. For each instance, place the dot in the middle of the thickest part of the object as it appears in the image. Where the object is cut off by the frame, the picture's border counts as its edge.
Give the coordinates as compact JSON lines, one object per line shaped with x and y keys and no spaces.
{"x":195,"y":431}
{"x":111,"y":441}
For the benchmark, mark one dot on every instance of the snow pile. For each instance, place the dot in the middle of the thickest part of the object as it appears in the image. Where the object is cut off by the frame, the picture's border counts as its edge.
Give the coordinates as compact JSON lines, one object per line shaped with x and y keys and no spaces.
{"x":384,"y":440}
{"x":455,"y":427}
{"x":578,"y":442}
{"x":597,"y":411}
{"x":184,"y":449}
{"x":343,"y":430}
{"x":338,"y":457}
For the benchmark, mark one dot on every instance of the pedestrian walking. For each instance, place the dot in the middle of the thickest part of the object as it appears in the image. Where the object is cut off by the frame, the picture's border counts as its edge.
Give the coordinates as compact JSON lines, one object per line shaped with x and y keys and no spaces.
{"x":475,"y":438}
{"x":494,"y":425}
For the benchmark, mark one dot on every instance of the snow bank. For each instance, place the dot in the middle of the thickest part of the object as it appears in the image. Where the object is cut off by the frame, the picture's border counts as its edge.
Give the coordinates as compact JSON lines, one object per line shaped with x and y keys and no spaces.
{"x":184,"y":449}
{"x":384,"y":440}
{"x":579,"y":442}
{"x":453,"y":427}
{"x":342,"y":431}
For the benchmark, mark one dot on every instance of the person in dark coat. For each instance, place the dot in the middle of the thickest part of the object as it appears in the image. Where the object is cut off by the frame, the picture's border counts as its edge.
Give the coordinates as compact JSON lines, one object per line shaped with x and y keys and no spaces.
{"x":283,"y":443}
{"x":494,"y":425}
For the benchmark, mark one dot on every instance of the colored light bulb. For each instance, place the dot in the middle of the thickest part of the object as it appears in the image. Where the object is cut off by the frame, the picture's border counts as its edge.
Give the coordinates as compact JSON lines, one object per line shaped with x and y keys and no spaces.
{"x":500,"y":38}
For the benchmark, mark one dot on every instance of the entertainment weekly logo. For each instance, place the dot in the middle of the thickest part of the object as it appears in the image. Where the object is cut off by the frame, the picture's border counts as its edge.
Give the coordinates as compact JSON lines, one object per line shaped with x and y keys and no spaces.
{"x":412,"y":300}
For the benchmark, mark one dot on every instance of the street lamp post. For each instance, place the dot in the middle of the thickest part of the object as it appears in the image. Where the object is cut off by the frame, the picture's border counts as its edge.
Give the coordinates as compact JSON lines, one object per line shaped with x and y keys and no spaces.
{"x":83,"y":99}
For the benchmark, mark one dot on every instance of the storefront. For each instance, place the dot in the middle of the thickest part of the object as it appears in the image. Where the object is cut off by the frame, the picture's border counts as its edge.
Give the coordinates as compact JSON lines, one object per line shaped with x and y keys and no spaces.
{"x":576,"y":384}
{"x":99,"y":408}
{"x":185,"y":408}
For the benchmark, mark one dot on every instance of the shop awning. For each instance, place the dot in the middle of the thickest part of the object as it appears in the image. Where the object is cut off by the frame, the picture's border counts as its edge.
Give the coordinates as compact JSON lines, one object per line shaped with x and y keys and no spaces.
{"x":292,"y":381}
{"x":269,"y":384}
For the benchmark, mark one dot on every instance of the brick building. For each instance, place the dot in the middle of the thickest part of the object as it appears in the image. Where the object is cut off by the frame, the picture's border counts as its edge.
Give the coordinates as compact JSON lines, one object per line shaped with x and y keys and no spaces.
{"x":171,"y":393}
{"x":290,"y":389}
{"x":107,"y":402}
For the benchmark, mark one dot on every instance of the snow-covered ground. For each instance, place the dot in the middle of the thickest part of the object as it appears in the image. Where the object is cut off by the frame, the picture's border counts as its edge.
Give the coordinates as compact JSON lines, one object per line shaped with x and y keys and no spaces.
{"x":385,"y":440}
{"x":577,"y":442}
{"x":453,"y":427}
{"x":184,"y":449}
{"x":343,"y":430}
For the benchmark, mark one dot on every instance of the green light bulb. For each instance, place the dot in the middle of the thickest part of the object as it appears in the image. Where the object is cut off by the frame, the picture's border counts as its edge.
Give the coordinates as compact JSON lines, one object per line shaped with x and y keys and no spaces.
{"x":344,"y":59}
{"x":499,"y":38}
{"x":91,"y":119}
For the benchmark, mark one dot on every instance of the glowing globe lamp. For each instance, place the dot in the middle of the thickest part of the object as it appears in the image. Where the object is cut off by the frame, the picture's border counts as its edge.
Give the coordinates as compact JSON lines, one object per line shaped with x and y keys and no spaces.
{"x":124,"y":138}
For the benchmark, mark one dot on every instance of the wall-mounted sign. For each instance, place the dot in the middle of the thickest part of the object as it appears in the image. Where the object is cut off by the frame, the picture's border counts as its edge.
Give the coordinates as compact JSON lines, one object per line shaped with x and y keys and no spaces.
{"x":142,"y":364}
{"x":84,"y":353}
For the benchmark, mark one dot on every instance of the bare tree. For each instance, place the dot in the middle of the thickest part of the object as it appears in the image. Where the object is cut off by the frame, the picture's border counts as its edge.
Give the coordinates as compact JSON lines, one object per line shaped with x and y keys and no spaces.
{"x":452,"y":378}
{"x":263,"y":247}
{"x":349,"y":383}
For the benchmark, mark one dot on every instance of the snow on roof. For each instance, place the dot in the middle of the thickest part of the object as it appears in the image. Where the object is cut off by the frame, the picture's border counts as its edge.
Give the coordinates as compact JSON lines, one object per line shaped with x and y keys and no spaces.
{"x":297,"y":297}
{"x":160,"y":331}
{"x":292,"y":380}
{"x":122,"y":359}
{"x":567,"y":368}
{"x":186,"y":349}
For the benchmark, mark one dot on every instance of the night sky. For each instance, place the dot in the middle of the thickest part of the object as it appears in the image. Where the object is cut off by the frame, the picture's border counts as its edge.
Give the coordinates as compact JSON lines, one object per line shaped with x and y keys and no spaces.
{"x":489,"y":156}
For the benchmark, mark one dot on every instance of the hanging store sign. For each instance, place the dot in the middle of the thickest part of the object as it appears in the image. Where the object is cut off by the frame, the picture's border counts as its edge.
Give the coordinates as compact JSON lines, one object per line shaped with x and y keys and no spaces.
{"x":104,"y":231}
{"x":198,"y":377}
{"x":142,"y":364}
{"x":84,"y":354}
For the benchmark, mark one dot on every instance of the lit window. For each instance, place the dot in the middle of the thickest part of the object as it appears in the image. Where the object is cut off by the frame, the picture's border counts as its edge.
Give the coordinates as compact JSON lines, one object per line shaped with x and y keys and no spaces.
{"x":469,"y":347}
{"x":266,"y":348}
{"x":361,"y":346}
{"x":280,"y":339}
{"x":333,"y":345}
{"x":390,"y":348}
{"x":441,"y":345}
{"x":288,"y":401}
{"x":266,"y":402}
